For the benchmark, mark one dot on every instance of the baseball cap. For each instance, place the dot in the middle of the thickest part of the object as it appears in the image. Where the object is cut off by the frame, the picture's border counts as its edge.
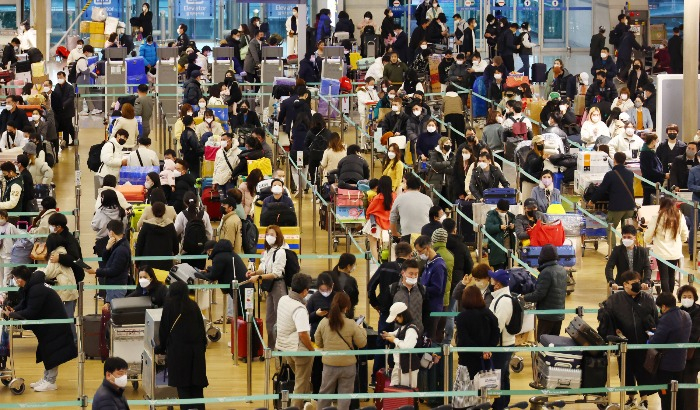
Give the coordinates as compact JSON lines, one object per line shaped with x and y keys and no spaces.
{"x":396,"y":309}
{"x":530,"y":203}
{"x":500,"y":275}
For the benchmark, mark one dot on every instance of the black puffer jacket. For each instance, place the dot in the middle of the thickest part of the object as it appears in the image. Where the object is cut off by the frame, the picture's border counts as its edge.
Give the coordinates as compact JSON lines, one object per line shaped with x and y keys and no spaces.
{"x":550,"y":290}
{"x":222,"y":268}
{"x":157,"y":237}
{"x":352,"y":169}
{"x":633,"y":316}
{"x":479,"y":182}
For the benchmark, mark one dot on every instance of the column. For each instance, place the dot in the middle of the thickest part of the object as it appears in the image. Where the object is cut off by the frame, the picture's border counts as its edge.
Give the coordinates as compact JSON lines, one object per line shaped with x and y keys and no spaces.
{"x":691,"y":18}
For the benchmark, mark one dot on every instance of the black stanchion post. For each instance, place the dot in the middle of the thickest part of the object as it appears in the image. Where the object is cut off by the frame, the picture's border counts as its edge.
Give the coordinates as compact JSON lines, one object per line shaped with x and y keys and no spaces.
{"x":479,"y":242}
{"x":368,"y":258}
{"x":611,"y":238}
{"x":234,"y":339}
{"x":510,"y":259}
{"x":348,"y":237}
{"x":658,"y":192}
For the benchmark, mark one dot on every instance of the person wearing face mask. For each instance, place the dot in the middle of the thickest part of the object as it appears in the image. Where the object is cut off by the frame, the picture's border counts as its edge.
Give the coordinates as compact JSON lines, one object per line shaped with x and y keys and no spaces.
{"x":667,"y":232}
{"x":663,"y":58}
{"x":13,"y":193}
{"x":640,"y":116}
{"x":525,"y":222}
{"x":184,"y":182}
{"x":149,"y":285}
{"x":625,"y":48}
{"x":400,"y":45}
{"x":495,"y":90}
{"x":291,"y":29}
{"x":626,"y":140}
{"x":668,"y":150}
{"x":157,"y":237}
{"x":192,"y":150}
{"x":651,"y":166}
{"x":318,"y":306}
{"x":418,"y":36}
{"x":366,"y":94}
{"x":593,"y":128}
{"x":484,"y":175}
{"x":183,"y":40}
{"x":601,"y":94}
{"x":308,"y":71}
{"x":394,"y":167}
{"x":638,"y":79}
{"x":406,"y":335}
{"x":502,"y":308}
{"x":12,"y":137}
{"x":63,"y":106}
{"x":500,"y":224}
{"x":395,"y":70}
{"x":278,"y":196}
{"x":550,"y":292}
{"x":624,"y":101}
{"x":193,"y":90}
{"x":179,"y":127}
{"x":212,"y":127}
{"x":231,"y":227}
{"x":631,"y":314}
{"x":688,"y":297}
{"x":417,"y":123}
{"x":675,"y":51}
{"x":459,"y":71}
{"x":674,"y":326}
{"x":428,"y":141}
{"x":226,"y":267}
{"x":75,"y":53}
{"x":55,"y":344}
{"x":393,"y":122}
{"x":146,"y":20}
{"x":436,"y":216}
{"x":434,"y":279}
{"x":545,"y":193}
{"x":628,"y":256}
{"x":441,"y":160}
{"x":444,"y":68}
{"x":6,"y":228}
{"x":110,"y":394}
{"x":344,"y":281}
{"x":682,"y":166}
{"x":226,"y":160}
{"x":143,"y":155}
{"x":149,"y":51}
{"x":606,"y":63}
{"x":114,"y":270}
{"x":465,"y":38}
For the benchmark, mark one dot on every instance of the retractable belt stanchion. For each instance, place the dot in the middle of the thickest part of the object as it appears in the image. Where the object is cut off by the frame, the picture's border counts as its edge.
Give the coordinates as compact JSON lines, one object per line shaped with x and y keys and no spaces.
{"x":249,"y":342}
{"x":348,"y":235}
{"x":268,"y":359}
{"x":329,"y":228}
{"x":368,"y":259}
{"x":623,"y":370}
{"x":674,"y":393}
{"x":611,"y":238}
{"x":695,"y":238}
{"x":445,"y":371}
{"x":234,"y":340}
{"x":657,"y":186}
{"x":81,"y":347}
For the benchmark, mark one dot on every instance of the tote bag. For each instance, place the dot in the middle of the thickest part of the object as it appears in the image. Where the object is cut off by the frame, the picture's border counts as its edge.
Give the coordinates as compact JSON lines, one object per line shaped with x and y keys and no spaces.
{"x":542,"y":234}
{"x":463,"y":383}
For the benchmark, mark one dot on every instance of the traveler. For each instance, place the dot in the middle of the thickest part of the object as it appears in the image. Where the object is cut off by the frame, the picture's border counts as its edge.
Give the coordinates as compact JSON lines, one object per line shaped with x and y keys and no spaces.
{"x":602,"y":93}
{"x":316,"y":144}
{"x":688,"y":297}
{"x":410,"y":209}
{"x":318,"y":306}
{"x":338,"y":332}
{"x":58,"y":223}
{"x":129,"y":123}
{"x":628,"y":256}
{"x":493,"y":131}
{"x":142,"y":155}
{"x":675,"y":50}
{"x":62,"y":276}
{"x":109,"y":210}
{"x":63,"y":106}
{"x":525,"y":222}
{"x":344,"y":281}
{"x":485,"y":176}
{"x":85,"y":75}
{"x":525,"y":47}
{"x":352,"y":168}
{"x":184,"y":183}
{"x":638,"y":79}
{"x":674,"y":326}
{"x":615,"y":183}
{"x":417,"y":123}
{"x":279,"y":196}
{"x":111,"y":157}
{"x":434,"y":279}
{"x":477,"y":326}
{"x":12,"y":137}
{"x":192,"y":150}
{"x":293,"y":328}
{"x":28,"y":198}
{"x":534,"y":165}
{"x":149,"y":285}
{"x":404,"y":337}
{"x":183,"y":338}
{"x":502,"y":307}
{"x":438,"y":242}
{"x":193,"y":226}
{"x":193,"y":90}
{"x":157,"y":237}
{"x":13,"y":195}
{"x":463,"y":265}
{"x":624,"y":49}
{"x":550,"y":291}
{"x":632,"y":313}
{"x":439,"y":169}
{"x":666,"y":233}
{"x":366,"y":94}
{"x":670,"y":149}
{"x":110,"y":394}
{"x":156,"y":195}
{"x":332,"y":155}
{"x":6,"y":247}
{"x":394,"y":166}
{"x":624,"y":102}
{"x":545,"y":194}
{"x":209,"y":125}
{"x":40,"y":224}
{"x":149,"y":51}
{"x":378,"y":213}
{"x":681,"y":165}
{"x":55,"y":344}
{"x":605,"y":63}
{"x":597,"y":44}
{"x":117,"y":261}
{"x":594,"y":128}
{"x":640,"y":116}
{"x":231,"y":227}
{"x":395,"y":121}
{"x":185,"y":110}
{"x":500,"y":224}
{"x":436,"y":215}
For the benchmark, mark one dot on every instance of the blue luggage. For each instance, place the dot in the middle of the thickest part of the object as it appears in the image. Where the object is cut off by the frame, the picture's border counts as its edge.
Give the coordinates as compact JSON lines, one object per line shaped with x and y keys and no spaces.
{"x":139,"y":120}
{"x":569,"y":360}
{"x":493,"y":195}
{"x":479,"y":104}
{"x":530,"y":255}
{"x":329,"y":86}
{"x":136,"y":72}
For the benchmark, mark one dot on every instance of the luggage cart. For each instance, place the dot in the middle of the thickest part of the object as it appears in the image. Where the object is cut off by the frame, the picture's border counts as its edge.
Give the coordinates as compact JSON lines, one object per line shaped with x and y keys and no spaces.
{"x":351,"y":216}
{"x":517,"y":363}
{"x":593,"y":231}
{"x":8,"y":377}
{"x":203,"y":297}
{"x":126,"y":341}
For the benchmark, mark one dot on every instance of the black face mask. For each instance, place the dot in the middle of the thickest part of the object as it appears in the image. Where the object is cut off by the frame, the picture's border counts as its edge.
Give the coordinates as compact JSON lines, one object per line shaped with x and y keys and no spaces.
{"x":540,"y":147}
{"x":223,"y":210}
{"x":121,"y":142}
{"x":243,"y":110}
{"x":672,"y":135}
{"x":636,"y":287}
{"x":491,"y":288}
{"x":531,"y":213}
{"x":637,"y":67}
{"x":471,"y":138}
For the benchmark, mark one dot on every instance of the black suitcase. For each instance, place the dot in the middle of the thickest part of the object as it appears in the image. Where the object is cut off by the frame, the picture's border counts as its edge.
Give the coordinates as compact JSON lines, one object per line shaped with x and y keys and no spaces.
{"x":595,"y":371}
{"x":370,"y":45}
{"x":282,"y":380}
{"x":584,"y":335}
{"x":463,"y":226}
{"x":23,"y":67}
{"x":539,"y":73}
{"x":183,"y":272}
{"x":91,"y":336}
{"x":130,"y":311}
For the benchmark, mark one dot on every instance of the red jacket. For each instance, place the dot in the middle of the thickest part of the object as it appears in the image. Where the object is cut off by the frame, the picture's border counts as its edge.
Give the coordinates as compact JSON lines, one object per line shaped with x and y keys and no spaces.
{"x":376,"y":208}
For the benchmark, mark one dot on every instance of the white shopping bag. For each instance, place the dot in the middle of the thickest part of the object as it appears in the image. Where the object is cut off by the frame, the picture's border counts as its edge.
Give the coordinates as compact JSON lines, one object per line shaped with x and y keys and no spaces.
{"x":488,"y":379}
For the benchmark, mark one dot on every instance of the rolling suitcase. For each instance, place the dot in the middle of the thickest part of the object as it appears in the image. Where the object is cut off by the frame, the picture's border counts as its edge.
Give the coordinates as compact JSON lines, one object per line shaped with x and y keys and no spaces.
{"x":137,"y":212}
{"x":584,"y":335}
{"x":531,"y":254}
{"x":136,"y":72}
{"x":183,"y":272}
{"x":493,"y":195}
{"x":133,"y":193}
{"x":242,"y":326}
{"x":130,"y":311}
{"x":558,"y":377}
{"x":212,"y":201}
{"x":281,"y":381}
{"x":23,"y":66}
{"x":595,"y":371}
{"x":91,"y":336}
{"x":569,"y":360}
{"x":539,"y":73}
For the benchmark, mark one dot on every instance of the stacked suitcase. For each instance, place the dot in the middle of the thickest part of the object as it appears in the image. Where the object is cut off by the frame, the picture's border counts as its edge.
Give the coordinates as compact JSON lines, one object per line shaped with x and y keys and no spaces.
{"x":559,"y":370}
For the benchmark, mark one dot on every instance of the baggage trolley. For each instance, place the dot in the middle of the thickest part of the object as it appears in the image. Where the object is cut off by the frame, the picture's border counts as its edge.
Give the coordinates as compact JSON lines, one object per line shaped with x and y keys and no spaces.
{"x":517,"y":363}
{"x":126,"y":341}
{"x":351,"y":216}
{"x":593,"y":231}
{"x":8,"y":377}
{"x":203,"y":297}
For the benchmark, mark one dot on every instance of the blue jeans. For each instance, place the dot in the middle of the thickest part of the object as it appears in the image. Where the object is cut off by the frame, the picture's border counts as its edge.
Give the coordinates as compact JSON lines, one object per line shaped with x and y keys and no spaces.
{"x":525,"y":69}
{"x":70,"y":313}
{"x":114,"y":294}
{"x":223,"y":189}
{"x":502,"y":361}
{"x":450,"y":323}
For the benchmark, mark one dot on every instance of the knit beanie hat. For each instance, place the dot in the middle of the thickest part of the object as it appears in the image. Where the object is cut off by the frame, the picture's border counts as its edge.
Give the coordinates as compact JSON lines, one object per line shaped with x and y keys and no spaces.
{"x":548,"y":254}
{"x":439,"y":235}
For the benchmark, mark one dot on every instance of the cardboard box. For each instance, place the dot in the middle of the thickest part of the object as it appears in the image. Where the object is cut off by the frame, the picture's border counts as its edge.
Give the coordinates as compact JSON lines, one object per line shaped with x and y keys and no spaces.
{"x":583,"y":179}
{"x":84,"y":27}
{"x":97,"y":40}
{"x":111,"y":25}
{"x":97,"y":27}
{"x":593,"y":162}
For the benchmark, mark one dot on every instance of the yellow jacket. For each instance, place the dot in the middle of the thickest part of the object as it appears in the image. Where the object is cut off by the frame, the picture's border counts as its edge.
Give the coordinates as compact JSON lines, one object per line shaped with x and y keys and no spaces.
{"x":395,"y":174}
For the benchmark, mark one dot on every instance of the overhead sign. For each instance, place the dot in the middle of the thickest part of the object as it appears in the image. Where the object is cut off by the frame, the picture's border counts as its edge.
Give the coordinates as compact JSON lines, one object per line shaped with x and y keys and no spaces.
{"x":195,"y":9}
{"x":113,"y":8}
{"x":468,"y":3}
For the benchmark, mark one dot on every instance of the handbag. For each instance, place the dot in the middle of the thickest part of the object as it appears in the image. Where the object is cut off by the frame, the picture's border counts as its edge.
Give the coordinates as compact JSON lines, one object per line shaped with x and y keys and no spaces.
{"x":547,"y":233}
{"x":463,"y":382}
{"x":39,"y":252}
{"x":652,"y":360}
{"x":488,"y":378}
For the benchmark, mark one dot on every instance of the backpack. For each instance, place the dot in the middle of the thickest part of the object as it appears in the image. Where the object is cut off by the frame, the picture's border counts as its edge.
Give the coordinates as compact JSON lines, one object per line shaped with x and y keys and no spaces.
{"x":615,"y":37}
{"x":589,"y":192}
{"x":250,"y":236}
{"x":291,"y":266}
{"x":94,"y":162}
{"x":195,"y":235}
{"x":515,"y":325}
{"x":519,"y":129}
{"x":73,"y":71}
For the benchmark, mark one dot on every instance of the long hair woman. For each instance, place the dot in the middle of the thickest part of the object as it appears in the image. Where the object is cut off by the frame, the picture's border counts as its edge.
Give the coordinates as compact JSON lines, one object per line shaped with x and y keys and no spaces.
{"x":666,"y":232}
{"x":394,"y":166}
{"x":332,"y":155}
{"x":193,"y":211}
{"x":377,"y":215}
{"x":248,"y":189}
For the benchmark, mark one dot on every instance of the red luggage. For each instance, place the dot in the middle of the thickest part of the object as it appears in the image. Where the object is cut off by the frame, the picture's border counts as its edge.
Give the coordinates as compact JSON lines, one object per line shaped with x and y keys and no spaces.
{"x":6,"y":76}
{"x":212,"y":201}
{"x":16,"y":87}
{"x":382,"y":382}
{"x":349,"y":197}
{"x":242,"y":338}
{"x":133,"y":193}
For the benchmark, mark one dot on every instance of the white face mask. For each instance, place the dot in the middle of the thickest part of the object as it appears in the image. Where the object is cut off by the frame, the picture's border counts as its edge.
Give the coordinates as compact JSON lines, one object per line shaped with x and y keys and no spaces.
{"x":499,"y":120}
{"x":417,"y":113}
{"x":52,"y":229}
{"x":61,"y":80}
{"x":148,"y":184}
{"x":431,"y":128}
{"x":466,"y":156}
{"x":595,"y":118}
{"x":277,"y":189}
{"x":391,"y":155}
{"x":79,"y":47}
{"x":442,"y":218}
{"x":423,"y":257}
{"x":483,"y":165}
{"x":497,"y":76}
{"x":202,"y":105}
{"x":121,"y":381}
{"x":36,"y":117}
{"x":629,"y":131}
{"x":325,"y":294}
{"x":270,"y":239}
{"x":395,"y":108}
{"x":459,"y":62}
{"x":562,"y":108}
{"x":627,"y":242}
{"x":623,"y":97}
{"x":190,"y":113}
{"x":412,"y":281}
{"x":177,"y":173}
{"x":208,"y":120}
{"x":423,"y":46}
{"x":603,"y":55}
{"x":687,"y":303}
{"x":144,"y":282}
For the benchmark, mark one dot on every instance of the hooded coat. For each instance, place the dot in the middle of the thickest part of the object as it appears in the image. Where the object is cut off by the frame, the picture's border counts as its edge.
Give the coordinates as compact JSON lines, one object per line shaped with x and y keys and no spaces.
{"x":63,"y":275}
{"x":55,"y":342}
{"x":226,"y":266}
{"x":157,"y":237}
{"x":493,"y":224}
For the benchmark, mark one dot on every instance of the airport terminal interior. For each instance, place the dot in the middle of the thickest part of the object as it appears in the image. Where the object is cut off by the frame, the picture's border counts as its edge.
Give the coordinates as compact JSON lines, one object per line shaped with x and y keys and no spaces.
{"x":561,"y":29}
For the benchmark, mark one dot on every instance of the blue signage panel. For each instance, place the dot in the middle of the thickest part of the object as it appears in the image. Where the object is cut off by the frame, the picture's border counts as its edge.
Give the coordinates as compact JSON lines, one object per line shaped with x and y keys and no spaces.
{"x":192,"y":9}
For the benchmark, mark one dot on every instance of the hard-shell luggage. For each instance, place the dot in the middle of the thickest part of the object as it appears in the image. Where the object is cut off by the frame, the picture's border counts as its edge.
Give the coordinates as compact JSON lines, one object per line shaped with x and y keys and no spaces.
{"x":92,"y":335}
{"x":136,"y":72}
{"x":349,"y":197}
{"x":595,"y":371}
{"x":136,"y":175}
{"x":242,"y":341}
{"x":584,"y":335}
{"x":531,"y":254}
{"x":569,"y":360}
{"x":212,"y":201}
{"x":493,"y":195}
{"x":137,"y":211}
{"x":550,"y":377}
{"x":130,"y":311}
{"x":207,"y":182}
{"x":182,"y":272}
{"x":370,"y":45}
{"x":395,"y":403}
{"x":539,"y":73}
{"x":133,"y":193}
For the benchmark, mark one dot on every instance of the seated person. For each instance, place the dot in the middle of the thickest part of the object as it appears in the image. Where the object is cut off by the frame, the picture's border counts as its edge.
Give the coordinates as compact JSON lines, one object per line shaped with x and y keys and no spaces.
{"x":620,"y":259}
{"x":245,"y":118}
{"x":545,"y":194}
{"x":486,"y":176}
{"x":149,"y":285}
{"x":278,"y":197}
{"x":352,"y":168}
{"x":525,"y":222}
{"x":436,"y":215}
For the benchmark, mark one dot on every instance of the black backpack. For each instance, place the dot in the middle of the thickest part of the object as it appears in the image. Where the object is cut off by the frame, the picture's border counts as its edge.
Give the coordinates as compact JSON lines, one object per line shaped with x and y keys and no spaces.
{"x":73,"y":71}
{"x":589,"y":192}
{"x":250,"y":236}
{"x":195,"y":235}
{"x":291,"y":266}
{"x":515,"y":325}
{"x":94,"y":162}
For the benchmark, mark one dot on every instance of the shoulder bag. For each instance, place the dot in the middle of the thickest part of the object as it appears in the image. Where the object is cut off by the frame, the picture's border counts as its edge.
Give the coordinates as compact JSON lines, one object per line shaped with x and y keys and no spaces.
{"x":636,"y":208}
{"x":652,"y":360}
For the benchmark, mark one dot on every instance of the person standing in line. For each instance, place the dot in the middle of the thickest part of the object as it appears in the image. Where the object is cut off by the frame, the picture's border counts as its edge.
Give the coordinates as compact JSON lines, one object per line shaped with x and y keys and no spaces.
{"x":666,"y":233}
{"x":618,"y":180}
{"x":409,"y":213}
{"x":117,"y":258}
{"x":597,"y":44}
{"x":525,"y":47}
{"x":434,"y":278}
{"x":550,"y":292}
{"x":675,"y":50}
{"x":292,"y":35}
{"x":63,"y":106}
{"x":688,"y":298}
{"x":143,"y":107}
{"x":503,"y":309}
{"x":110,"y":394}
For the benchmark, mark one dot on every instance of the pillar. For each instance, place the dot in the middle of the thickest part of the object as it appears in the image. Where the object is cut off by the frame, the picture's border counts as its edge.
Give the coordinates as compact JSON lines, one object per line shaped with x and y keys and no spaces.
{"x":41,"y":23}
{"x":691,"y":19}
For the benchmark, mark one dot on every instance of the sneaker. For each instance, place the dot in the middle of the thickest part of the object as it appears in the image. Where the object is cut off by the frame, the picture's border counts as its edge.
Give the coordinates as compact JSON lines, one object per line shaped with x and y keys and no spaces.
{"x":37,"y":383}
{"x":631,"y":403}
{"x":643,"y":405}
{"x":95,"y":112}
{"x":46,"y":386}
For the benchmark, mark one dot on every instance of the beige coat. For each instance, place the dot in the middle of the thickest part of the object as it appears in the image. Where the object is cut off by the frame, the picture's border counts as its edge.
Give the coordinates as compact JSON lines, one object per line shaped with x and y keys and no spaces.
{"x":353,"y":337}
{"x":231,"y":228}
{"x":148,"y":215}
{"x":63,"y":276}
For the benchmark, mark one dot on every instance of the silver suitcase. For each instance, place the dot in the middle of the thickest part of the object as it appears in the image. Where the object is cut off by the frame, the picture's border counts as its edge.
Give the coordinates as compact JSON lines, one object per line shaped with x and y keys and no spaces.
{"x":549,"y":377}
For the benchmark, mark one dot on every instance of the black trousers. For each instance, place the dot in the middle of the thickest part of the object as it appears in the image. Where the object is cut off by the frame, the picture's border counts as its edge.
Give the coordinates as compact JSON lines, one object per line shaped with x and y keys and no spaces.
{"x":65,"y":125}
{"x":192,"y":392}
{"x":635,"y":371}
{"x":509,"y":62}
{"x":668,"y":276}
{"x":665,"y":377}
{"x":688,"y":398}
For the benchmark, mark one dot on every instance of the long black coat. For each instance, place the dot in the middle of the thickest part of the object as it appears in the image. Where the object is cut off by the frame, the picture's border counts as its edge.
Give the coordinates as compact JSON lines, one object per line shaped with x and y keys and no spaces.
{"x":157,"y":240}
{"x":185,"y":343}
{"x":55,"y":342}
{"x":62,"y":101}
{"x":222,"y":268}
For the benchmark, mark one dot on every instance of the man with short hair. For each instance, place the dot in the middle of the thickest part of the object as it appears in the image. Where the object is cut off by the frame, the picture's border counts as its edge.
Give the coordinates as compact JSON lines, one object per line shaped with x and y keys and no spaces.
{"x":110,"y":394}
{"x":58,"y":224}
{"x":436,"y":215}
{"x":254,"y":57}
{"x":9,"y":54}
{"x":395,"y":70}
{"x":259,"y":133}
{"x":618,"y":187}
{"x":203,"y":60}
{"x":628,"y":256}
{"x":193,"y":89}
{"x":502,"y":308}
{"x":183,"y":40}
{"x":192,"y":151}
{"x":63,"y":105}
{"x":412,"y":293}
{"x":606,"y":64}
{"x":13,"y":196}
{"x":144,"y":107}
{"x":85,"y":74}
{"x":111,"y":157}
{"x":409,"y":211}
{"x":293,"y":333}
{"x":675,"y":51}
{"x":681,"y":166}
{"x":13,"y":114}
{"x":434,"y":278}
{"x":438,"y":242}
{"x":117,"y":259}
{"x":463,"y":265}
{"x":231,"y":227}
{"x":28,"y":185}
{"x":12,"y":137}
